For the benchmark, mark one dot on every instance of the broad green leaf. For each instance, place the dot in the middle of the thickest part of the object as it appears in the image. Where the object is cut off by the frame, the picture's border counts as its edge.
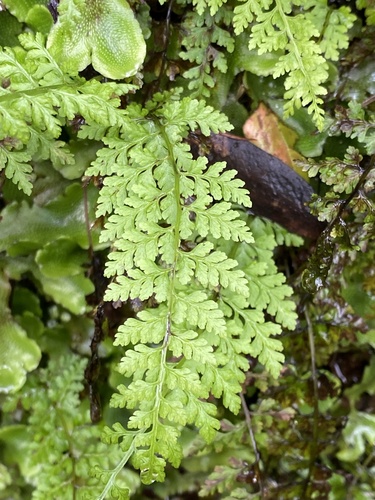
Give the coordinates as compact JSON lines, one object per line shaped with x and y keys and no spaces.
{"x":61,"y":257}
{"x":18,"y":355}
{"x":69,"y":291}
{"x":23,"y":228}
{"x":21,"y":8}
{"x":24,"y":300}
{"x":10,"y":28}
{"x":104,"y":34}
{"x":84,"y":153}
{"x":40,"y":19}
{"x":358,"y":433}
{"x":14,"y":443}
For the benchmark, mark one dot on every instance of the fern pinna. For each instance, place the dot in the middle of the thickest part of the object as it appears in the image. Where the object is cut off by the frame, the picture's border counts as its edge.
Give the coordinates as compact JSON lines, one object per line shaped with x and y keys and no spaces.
{"x":174,"y":232}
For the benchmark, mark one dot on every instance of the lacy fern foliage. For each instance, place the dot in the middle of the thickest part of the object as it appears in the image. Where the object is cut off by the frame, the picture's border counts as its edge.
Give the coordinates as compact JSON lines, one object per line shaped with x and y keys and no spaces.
{"x":180,"y":243}
{"x":348,"y":205}
{"x":303,"y":42}
{"x":60,"y":445}
{"x":36,"y":100}
{"x":208,"y":45}
{"x":302,"y":36}
{"x":171,"y":219}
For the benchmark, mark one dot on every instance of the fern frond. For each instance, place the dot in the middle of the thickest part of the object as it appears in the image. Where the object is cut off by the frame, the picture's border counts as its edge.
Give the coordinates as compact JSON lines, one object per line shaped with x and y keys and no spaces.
{"x":276,"y":28}
{"x":207,"y":44}
{"x":180,"y":351}
{"x":266,"y":292}
{"x":39,"y":100}
{"x":60,"y":438}
{"x":17,"y":168}
{"x":172,"y":224}
{"x":357,"y":123}
{"x":213,"y":5}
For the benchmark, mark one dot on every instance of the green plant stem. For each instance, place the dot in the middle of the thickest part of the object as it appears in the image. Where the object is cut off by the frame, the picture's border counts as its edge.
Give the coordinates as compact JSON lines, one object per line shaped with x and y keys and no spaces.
{"x":171,"y":295}
{"x":116,"y":471}
{"x":290,"y":36}
{"x":11,"y":96}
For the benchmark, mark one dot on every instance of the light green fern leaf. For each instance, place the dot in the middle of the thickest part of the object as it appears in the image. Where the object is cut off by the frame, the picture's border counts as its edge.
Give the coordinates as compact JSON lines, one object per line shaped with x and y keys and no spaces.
{"x":172,"y":224}
{"x":302,"y":52}
{"x":17,"y":168}
{"x":158,"y":201}
{"x":38,"y":100}
{"x":206,"y":43}
{"x":212,"y":5}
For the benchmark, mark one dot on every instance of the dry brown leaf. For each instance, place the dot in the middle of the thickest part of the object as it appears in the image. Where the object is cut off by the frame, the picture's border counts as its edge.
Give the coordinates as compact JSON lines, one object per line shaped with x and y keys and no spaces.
{"x":264,"y":129}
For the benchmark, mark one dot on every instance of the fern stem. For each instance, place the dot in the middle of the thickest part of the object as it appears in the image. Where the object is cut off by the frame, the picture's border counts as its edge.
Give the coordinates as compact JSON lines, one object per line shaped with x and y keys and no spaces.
{"x":253,"y":443}
{"x":170,"y":299}
{"x":38,"y":90}
{"x":177,"y":222}
{"x":20,"y":68}
{"x":297,"y":55}
{"x":291,"y":40}
{"x":116,"y":471}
